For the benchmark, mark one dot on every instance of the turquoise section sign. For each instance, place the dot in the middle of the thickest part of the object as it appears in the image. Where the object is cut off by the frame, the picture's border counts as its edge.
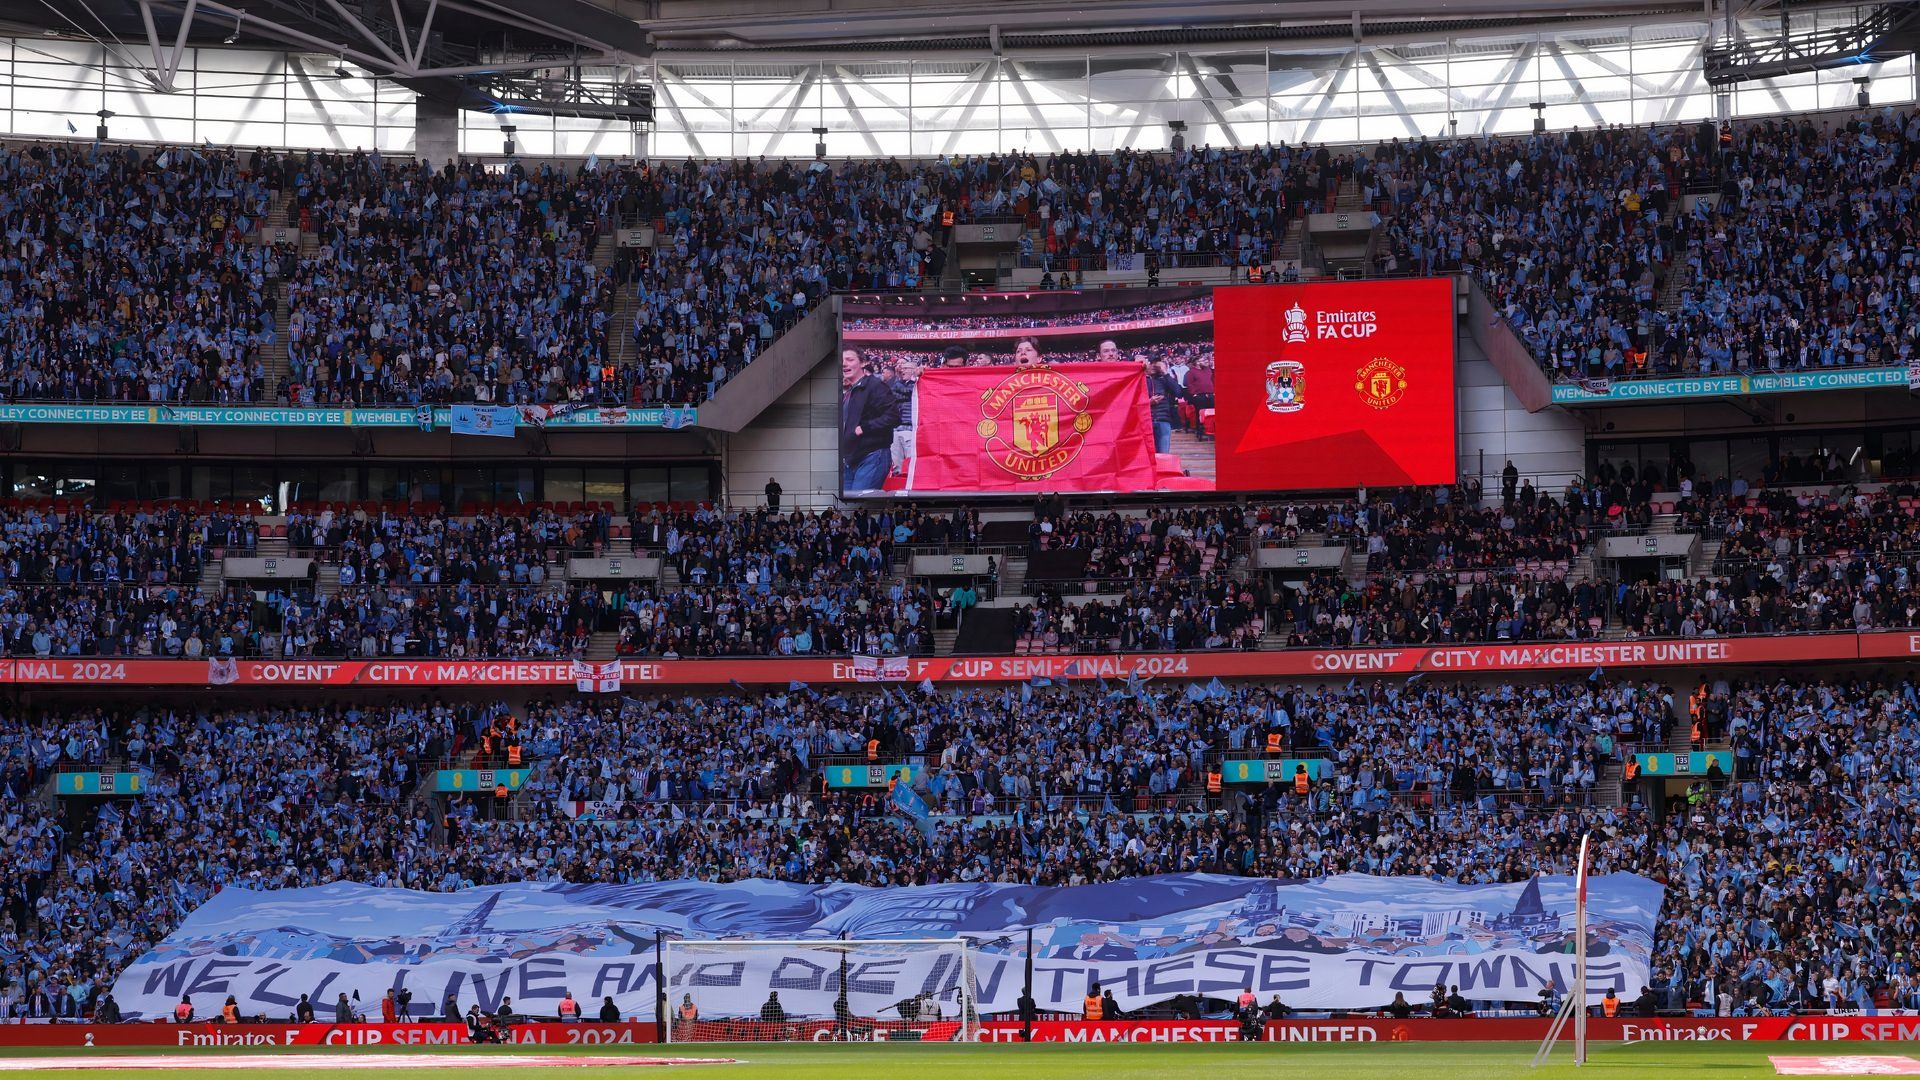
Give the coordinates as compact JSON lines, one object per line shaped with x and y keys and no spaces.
{"x":1617,"y":391}
{"x":1279,"y":770}
{"x":99,"y":783}
{"x":424,"y":418}
{"x":478,"y":780}
{"x":1696,"y":763}
{"x":871,"y":776}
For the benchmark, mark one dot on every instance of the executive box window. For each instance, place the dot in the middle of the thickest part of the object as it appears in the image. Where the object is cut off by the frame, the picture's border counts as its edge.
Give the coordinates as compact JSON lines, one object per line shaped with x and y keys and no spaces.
{"x":273,"y":486}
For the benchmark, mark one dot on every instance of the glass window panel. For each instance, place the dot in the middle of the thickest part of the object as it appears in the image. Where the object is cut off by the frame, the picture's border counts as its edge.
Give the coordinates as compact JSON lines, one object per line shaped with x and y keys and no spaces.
{"x":119,"y":483}
{"x":690,"y":483}
{"x":210,"y":482}
{"x":385,"y":484}
{"x":237,"y":61}
{"x":563,"y":485}
{"x":425,"y":484}
{"x":605,"y":485}
{"x":328,"y":136}
{"x":472,"y":486}
{"x":257,"y":108}
{"x":137,"y":107}
{"x":262,"y":134}
{"x":255,"y":484}
{"x":648,"y":484}
{"x":514,"y":485}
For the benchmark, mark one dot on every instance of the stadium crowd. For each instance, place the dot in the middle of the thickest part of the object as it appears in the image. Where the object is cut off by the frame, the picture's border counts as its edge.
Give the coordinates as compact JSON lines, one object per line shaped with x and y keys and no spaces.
{"x":132,"y":277}
{"x":853,"y":325}
{"x":1646,"y":251}
{"x":1614,"y":252}
{"x":1787,"y":886}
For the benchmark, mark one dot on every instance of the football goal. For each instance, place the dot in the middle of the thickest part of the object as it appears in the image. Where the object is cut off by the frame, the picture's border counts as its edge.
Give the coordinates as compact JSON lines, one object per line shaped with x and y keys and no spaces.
{"x":899,"y":990}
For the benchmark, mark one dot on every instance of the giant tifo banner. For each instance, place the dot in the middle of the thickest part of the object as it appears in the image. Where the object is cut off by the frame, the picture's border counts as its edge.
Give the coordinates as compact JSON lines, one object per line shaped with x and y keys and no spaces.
{"x":1361,"y":1029}
{"x":1583,"y":656}
{"x":209,"y":1035}
{"x":1349,"y":941}
{"x":1244,"y":388}
{"x":1354,"y":1029}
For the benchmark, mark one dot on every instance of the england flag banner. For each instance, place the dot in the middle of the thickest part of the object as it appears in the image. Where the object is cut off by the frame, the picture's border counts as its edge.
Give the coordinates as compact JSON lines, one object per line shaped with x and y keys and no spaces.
{"x":592,"y":678}
{"x":1350,"y":941}
{"x":879,"y":668}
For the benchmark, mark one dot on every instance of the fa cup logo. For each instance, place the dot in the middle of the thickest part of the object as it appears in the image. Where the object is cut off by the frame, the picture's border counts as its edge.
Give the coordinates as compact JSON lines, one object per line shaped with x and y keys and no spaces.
{"x":1296,"y":325}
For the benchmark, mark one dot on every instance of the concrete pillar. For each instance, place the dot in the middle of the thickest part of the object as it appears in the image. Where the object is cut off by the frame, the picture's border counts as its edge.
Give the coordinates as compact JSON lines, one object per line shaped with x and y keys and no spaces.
{"x":436,"y":131}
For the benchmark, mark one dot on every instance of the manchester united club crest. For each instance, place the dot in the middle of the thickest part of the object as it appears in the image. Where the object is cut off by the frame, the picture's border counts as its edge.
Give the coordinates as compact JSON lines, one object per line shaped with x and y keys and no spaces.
{"x":1381,"y":383}
{"x":1034,"y":422}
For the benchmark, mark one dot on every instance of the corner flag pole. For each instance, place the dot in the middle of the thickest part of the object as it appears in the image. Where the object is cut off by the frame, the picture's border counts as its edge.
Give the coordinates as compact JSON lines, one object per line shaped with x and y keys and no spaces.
{"x":1574,"y":1007}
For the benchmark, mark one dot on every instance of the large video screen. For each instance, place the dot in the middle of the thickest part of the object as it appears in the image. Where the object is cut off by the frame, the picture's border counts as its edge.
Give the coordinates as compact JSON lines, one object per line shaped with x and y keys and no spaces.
{"x":1241,"y":388}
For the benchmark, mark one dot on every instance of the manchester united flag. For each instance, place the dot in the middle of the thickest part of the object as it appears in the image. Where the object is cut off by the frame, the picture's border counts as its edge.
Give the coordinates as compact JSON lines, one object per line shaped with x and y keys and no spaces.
{"x":1075,"y":427}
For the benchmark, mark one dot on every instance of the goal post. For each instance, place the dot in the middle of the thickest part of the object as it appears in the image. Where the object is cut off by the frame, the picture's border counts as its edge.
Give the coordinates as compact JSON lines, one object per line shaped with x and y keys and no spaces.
{"x":1574,"y":1007}
{"x":845,"y":990}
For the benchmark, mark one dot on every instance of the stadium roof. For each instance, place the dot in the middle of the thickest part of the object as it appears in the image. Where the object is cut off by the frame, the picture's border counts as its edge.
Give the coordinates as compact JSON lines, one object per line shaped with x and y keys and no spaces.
{"x":481,"y":53}
{"x":696,"y":25}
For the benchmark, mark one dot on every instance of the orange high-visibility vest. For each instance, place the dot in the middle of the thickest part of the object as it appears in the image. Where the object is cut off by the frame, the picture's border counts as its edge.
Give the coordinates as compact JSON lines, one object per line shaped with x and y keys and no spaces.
{"x":1090,"y":1007}
{"x":229,"y":1014}
{"x":1610,"y":1006}
{"x":1213,"y":785}
{"x":1300,"y":781}
{"x":1273,"y":743}
{"x":873,"y":749}
{"x":1255,"y":273}
{"x":946,"y":218}
{"x":1633,"y":768}
{"x":500,"y":791}
{"x":513,"y":753}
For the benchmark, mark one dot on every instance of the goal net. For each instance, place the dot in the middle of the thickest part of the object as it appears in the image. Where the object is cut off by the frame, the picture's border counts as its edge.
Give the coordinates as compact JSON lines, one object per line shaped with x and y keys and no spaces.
{"x":902,"y":990}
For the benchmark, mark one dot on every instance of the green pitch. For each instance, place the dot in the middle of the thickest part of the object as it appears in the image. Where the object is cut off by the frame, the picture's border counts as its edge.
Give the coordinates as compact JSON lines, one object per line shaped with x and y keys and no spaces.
{"x":1211,"y":1061}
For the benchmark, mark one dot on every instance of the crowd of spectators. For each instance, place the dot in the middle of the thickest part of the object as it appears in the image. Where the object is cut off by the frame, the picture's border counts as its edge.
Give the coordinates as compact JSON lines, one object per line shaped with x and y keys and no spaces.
{"x":1613,"y":252}
{"x":1531,"y":529}
{"x":1325,"y":610}
{"x":456,"y":284}
{"x":235,"y":798}
{"x":132,"y":277}
{"x":1194,"y":206}
{"x":853,"y":324}
{"x":1645,"y":251}
{"x":1440,"y":565}
{"x":744,"y":251}
{"x":434,"y":547}
{"x":1788,"y":885}
{"x":79,"y":545}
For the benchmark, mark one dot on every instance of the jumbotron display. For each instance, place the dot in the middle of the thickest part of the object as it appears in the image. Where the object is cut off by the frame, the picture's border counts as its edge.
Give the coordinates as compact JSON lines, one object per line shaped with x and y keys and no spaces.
{"x":1244,"y":388}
